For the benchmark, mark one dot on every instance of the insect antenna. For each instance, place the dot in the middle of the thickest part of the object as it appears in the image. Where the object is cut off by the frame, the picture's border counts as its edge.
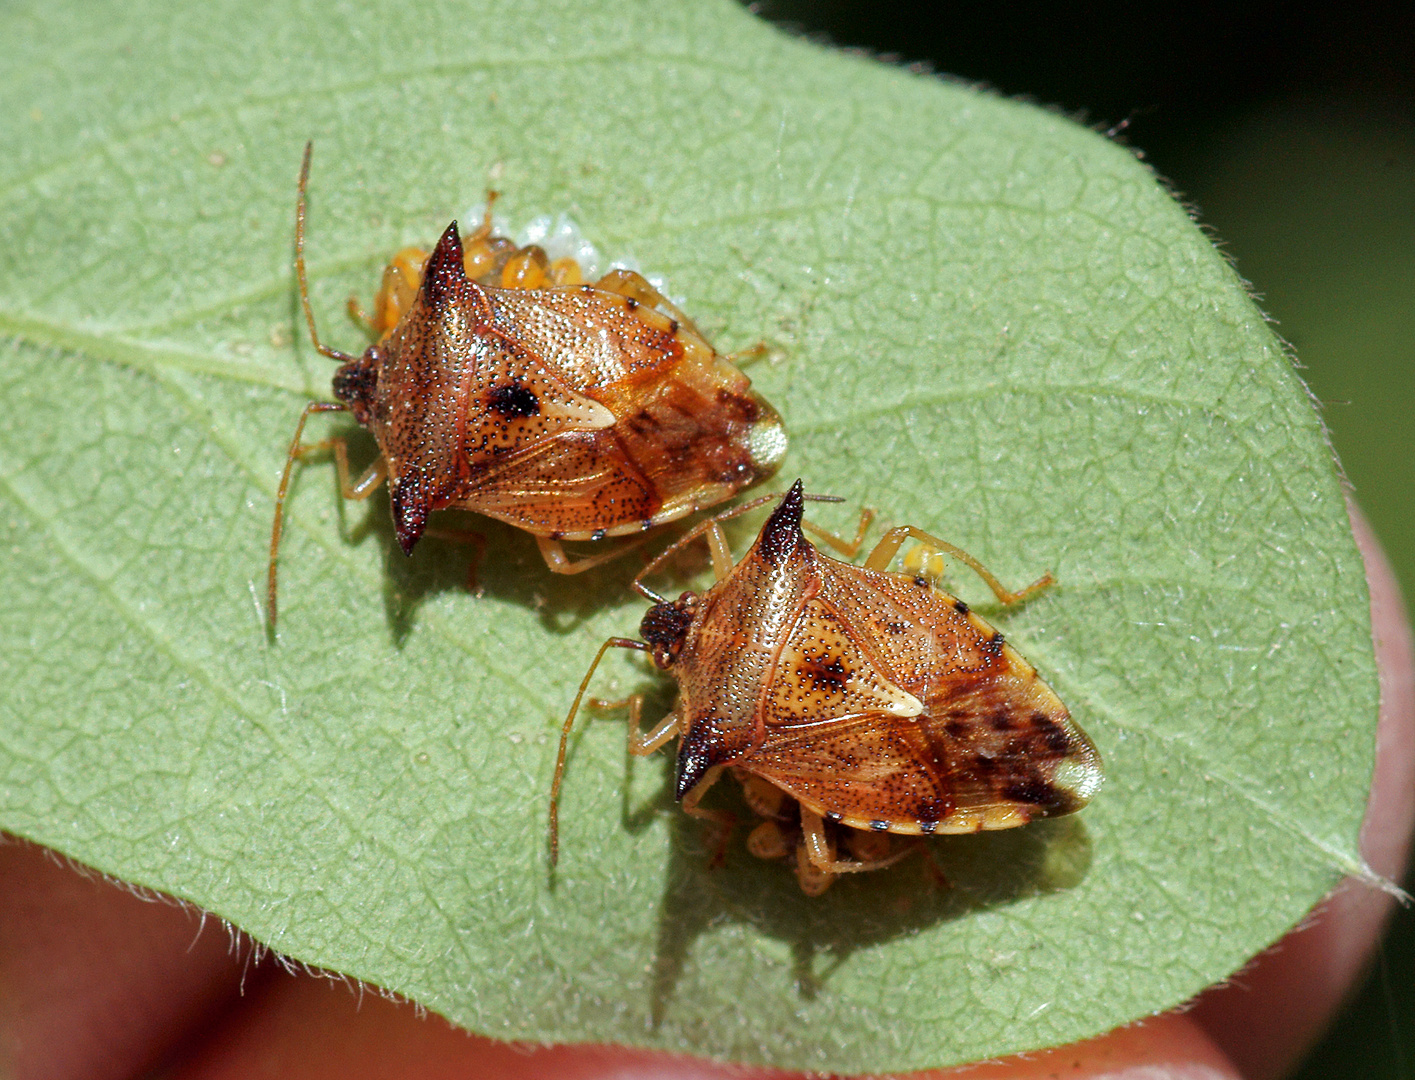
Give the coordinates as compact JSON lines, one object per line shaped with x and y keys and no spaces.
{"x":612,"y":643}
{"x":320,"y":347}
{"x":278,"y":525}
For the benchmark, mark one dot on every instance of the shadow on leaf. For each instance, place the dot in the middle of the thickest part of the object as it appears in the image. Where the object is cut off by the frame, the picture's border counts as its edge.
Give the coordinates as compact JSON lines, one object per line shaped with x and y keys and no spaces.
{"x":948,"y":879}
{"x":507,"y":567}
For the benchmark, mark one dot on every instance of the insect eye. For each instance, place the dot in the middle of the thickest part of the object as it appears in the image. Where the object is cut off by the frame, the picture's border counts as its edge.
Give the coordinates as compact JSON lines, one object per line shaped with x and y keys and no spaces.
{"x":665,"y":626}
{"x":356,"y":382}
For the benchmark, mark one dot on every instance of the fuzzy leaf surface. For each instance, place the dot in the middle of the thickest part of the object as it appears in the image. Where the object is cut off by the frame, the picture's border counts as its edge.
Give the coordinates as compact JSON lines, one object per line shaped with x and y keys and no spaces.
{"x":986,"y":320}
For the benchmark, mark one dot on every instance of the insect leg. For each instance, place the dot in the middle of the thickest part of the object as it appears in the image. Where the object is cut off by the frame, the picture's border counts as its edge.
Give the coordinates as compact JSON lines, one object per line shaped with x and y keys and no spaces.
{"x":560,"y":563}
{"x":708,"y":525}
{"x":554,"y":823}
{"x":636,"y":287}
{"x":886,"y":549}
{"x":402,"y":278}
{"x":821,"y":852}
{"x":484,"y":254}
{"x":848,"y":548}
{"x":864,"y":846}
{"x":368,"y":480}
{"x":722,"y":819}
{"x":812,"y":879}
{"x":476,"y":540}
{"x":751,"y":353}
{"x":297,"y":450}
{"x":483,"y":230}
{"x":721,"y":553}
{"x":359,"y":315}
{"x":769,"y":841}
{"x":641,"y":745}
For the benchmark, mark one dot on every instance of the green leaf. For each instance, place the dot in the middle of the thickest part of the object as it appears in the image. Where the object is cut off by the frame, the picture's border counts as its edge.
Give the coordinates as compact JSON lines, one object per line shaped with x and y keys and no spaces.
{"x":991,"y":323}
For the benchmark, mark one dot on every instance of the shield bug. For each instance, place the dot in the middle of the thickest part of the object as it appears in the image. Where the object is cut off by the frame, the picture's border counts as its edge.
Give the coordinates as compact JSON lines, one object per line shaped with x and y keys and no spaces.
{"x":501,"y":384}
{"x":854,"y":702}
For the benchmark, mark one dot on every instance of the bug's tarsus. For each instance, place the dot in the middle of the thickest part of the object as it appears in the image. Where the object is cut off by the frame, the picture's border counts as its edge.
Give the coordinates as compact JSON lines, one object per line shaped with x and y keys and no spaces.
{"x":848,"y":548}
{"x":724,"y":822}
{"x":559,"y":561}
{"x":822,"y":854}
{"x":470,"y":538}
{"x":743,"y":357}
{"x":554,"y":822}
{"x":889,"y":546}
{"x":359,"y":315}
{"x":483,"y":230}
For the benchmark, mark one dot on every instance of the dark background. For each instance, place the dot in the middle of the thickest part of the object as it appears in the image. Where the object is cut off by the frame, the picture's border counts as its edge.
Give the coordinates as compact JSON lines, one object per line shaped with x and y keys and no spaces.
{"x":1292,"y":134}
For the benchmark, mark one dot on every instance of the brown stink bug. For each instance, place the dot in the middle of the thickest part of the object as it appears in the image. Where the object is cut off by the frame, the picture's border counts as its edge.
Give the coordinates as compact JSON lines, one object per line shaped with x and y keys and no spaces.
{"x":851,"y":701}
{"x":502,"y":384}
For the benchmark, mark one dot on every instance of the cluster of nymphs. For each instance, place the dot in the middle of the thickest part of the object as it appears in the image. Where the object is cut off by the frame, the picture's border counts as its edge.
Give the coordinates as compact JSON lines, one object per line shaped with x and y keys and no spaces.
{"x":853,"y":704}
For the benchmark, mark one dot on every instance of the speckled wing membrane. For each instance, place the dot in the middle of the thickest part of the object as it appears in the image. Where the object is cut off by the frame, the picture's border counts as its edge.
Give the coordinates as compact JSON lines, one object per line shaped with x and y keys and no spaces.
{"x":893,"y":706}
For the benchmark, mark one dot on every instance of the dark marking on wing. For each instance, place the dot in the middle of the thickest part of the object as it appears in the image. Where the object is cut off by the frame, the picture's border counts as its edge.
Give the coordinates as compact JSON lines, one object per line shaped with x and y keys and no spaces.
{"x":1033,"y":791}
{"x":984,"y":765}
{"x":513,"y":400}
{"x":824,"y":674}
{"x":739,"y":407}
{"x":1053,"y":735}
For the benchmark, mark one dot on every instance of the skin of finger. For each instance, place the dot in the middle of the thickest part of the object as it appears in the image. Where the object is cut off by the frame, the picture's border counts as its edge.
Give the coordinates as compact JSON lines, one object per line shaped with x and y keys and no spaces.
{"x":305,"y":1027}
{"x":308,"y":1026}
{"x":1267,"y":1016}
{"x":97,"y":982}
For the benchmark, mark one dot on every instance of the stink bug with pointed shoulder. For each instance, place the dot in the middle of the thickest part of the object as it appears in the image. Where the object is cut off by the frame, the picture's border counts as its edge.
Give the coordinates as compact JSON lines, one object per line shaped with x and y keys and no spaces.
{"x":501,"y":383}
{"x":852,"y":702}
